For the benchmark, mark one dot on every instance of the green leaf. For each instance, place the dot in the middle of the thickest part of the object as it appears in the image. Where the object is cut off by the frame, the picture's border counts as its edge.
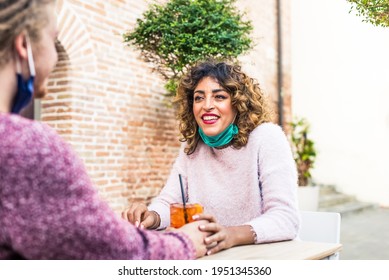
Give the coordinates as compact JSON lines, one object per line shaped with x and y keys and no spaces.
{"x":373,"y":11}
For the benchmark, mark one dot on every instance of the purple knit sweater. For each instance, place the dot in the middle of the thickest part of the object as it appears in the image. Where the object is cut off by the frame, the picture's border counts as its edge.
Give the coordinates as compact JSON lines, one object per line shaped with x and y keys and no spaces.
{"x":49,"y":209}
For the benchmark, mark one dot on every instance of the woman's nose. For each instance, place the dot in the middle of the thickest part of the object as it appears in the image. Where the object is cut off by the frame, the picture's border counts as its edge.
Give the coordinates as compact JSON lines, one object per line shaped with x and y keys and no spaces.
{"x":208,"y":104}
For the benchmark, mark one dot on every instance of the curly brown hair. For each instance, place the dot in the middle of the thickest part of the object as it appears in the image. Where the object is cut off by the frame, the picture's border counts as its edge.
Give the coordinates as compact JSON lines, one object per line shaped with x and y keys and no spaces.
{"x":247,"y":99}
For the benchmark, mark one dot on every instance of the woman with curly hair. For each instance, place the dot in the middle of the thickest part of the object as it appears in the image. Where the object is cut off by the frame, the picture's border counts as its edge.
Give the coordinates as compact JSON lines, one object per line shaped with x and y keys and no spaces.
{"x":235,"y":162}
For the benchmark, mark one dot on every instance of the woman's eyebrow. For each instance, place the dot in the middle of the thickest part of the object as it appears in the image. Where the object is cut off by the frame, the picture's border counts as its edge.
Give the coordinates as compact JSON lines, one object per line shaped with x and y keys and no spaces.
{"x":213,"y":91}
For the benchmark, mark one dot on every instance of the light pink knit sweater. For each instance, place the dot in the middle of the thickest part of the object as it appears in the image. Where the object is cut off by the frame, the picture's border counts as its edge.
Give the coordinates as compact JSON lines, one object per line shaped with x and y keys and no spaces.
{"x":254,"y":185}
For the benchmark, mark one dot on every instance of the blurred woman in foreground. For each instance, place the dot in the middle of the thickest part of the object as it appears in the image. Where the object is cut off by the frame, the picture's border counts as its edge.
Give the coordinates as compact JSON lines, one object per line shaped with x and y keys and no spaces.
{"x":48,"y":206}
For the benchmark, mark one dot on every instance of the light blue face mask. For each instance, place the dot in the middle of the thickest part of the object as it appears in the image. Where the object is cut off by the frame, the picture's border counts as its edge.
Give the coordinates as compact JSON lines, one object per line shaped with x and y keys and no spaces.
{"x":222,"y":138}
{"x":25,"y":87}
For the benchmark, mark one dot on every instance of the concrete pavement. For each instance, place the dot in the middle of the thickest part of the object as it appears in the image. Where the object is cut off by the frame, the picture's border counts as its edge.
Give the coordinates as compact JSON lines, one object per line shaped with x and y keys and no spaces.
{"x":365,"y":235}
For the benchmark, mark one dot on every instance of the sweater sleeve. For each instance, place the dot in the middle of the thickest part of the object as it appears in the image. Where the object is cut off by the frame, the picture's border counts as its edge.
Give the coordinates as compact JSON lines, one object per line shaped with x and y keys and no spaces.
{"x":171,"y":192}
{"x":278,"y":178}
{"x":49,"y":209}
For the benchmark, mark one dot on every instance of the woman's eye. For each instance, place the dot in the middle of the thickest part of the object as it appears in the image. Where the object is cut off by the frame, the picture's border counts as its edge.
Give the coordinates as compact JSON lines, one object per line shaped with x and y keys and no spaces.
{"x":198,"y":98}
{"x":220,"y":97}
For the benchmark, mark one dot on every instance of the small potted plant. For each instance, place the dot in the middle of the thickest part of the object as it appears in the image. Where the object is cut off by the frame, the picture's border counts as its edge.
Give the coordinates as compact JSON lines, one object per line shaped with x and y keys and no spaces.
{"x":304,"y":153}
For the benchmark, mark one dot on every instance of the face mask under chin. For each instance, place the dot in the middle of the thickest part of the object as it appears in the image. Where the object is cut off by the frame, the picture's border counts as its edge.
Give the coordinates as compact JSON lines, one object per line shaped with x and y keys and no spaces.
{"x":222,"y":139}
{"x":24,"y":93}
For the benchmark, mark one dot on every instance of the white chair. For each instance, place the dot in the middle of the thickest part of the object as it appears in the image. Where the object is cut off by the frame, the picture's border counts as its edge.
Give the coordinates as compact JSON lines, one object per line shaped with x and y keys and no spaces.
{"x":320,"y":227}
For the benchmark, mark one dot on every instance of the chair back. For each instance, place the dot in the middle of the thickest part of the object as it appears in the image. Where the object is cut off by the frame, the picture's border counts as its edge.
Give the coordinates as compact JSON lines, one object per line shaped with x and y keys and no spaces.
{"x":320,"y":227}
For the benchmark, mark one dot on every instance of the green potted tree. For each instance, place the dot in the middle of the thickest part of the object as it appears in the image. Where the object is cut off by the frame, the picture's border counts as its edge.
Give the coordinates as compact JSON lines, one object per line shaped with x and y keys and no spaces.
{"x":304,"y":153}
{"x":173,"y":35}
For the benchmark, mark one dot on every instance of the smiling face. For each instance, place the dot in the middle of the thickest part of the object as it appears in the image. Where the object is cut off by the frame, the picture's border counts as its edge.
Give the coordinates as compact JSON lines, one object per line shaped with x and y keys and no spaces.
{"x":212,"y":107}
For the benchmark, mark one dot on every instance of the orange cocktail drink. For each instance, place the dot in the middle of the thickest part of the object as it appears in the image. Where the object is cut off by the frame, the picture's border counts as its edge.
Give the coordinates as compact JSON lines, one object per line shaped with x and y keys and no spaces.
{"x":179,"y":217}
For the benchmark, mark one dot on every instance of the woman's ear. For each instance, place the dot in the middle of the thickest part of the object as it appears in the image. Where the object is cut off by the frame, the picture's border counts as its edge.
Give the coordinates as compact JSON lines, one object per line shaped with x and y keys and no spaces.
{"x":20,"y":45}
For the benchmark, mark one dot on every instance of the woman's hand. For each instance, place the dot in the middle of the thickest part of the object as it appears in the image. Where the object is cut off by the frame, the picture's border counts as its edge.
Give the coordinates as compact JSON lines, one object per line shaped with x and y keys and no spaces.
{"x":222,"y":237}
{"x":192,"y":230}
{"x":141,"y":217}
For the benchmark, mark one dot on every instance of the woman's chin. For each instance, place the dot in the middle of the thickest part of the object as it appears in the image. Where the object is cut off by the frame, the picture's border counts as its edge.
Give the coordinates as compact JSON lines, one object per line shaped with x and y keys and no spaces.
{"x":40,"y":91}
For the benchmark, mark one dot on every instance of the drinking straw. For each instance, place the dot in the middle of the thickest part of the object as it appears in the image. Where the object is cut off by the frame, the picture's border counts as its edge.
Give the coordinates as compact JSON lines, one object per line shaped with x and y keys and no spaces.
{"x":183,"y":199}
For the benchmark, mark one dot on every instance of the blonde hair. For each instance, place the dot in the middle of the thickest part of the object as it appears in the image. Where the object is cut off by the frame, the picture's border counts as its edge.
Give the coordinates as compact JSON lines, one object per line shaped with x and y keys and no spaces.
{"x":17,"y":16}
{"x":247,"y":99}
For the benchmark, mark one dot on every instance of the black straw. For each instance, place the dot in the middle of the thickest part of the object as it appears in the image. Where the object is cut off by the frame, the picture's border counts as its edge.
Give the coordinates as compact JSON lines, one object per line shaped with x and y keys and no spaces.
{"x":183,"y":199}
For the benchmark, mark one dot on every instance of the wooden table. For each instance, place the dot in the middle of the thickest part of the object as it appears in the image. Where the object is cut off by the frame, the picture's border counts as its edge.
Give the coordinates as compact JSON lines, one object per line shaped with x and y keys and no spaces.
{"x":286,"y":250}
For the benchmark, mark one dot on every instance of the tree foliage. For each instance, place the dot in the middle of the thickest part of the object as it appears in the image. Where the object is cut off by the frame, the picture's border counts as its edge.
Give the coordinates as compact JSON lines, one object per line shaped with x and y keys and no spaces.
{"x":174,"y":35}
{"x":373,"y":11}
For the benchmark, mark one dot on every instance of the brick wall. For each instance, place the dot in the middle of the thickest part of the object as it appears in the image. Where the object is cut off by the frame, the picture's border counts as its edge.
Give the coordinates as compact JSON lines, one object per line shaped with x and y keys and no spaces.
{"x":109,"y":105}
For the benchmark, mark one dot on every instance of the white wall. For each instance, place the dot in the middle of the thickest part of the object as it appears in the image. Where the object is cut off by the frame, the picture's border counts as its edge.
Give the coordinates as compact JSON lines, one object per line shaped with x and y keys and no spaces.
{"x":340,"y":82}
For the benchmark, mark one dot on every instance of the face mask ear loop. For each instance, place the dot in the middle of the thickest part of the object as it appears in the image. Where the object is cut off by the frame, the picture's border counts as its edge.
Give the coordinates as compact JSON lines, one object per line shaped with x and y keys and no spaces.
{"x":30,"y":57}
{"x":233,"y":121}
